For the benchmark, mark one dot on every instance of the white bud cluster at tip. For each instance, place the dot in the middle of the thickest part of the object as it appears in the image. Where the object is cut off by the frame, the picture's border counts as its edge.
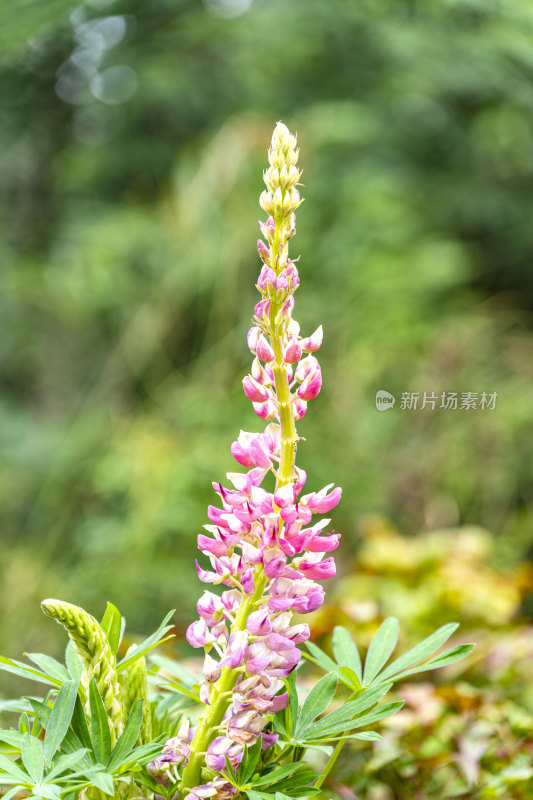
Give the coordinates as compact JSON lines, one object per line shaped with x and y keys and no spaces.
{"x":281,"y":197}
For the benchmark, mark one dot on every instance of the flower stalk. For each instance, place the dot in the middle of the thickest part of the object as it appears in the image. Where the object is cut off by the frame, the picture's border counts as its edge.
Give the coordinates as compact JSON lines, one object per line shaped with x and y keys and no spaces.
{"x":262,"y":544}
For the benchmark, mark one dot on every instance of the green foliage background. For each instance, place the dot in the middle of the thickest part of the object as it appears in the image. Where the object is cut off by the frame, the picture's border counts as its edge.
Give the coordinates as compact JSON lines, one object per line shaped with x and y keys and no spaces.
{"x":129,"y":208}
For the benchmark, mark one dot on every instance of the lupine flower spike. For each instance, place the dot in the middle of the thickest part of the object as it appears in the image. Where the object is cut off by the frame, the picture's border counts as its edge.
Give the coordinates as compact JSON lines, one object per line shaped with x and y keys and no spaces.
{"x":263,"y":546}
{"x":267,"y":551}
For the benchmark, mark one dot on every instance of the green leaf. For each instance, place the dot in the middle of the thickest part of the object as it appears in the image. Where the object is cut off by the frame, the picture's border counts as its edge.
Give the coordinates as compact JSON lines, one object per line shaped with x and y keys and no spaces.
{"x":360,"y":722}
{"x":230,"y":773}
{"x":146,"y":752}
{"x":258,"y":795}
{"x":100,"y":732}
{"x":249,"y":762}
{"x":59,"y":720}
{"x":41,"y":710}
{"x":176,"y":687}
{"x":11,"y":737}
{"x":380,"y":649}
{"x":349,"y":678}
{"x":79,"y":725}
{"x":112,"y":625}
{"x":73,"y":662}
{"x":129,"y":736}
{"x":316,"y":701}
{"x":303,"y":778}
{"x":346,"y":652}
{"x":291,"y":712}
{"x":174,"y":668}
{"x":12,"y":769}
{"x":24,"y":723}
{"x":50,"y":791}
{"x":49,"y":665}
{"x":32,"y":756}
{"x":368,"y":699}
{"x":320,"y":658}
{"x":23,"y":671}
{"x":157,"y":638}
{"x":420,"y":651}
{"x":278,"y":774}
{"x":443,"y":660}
{"x":102,"y":781}
{"x":367,"y":736}
{"x":66,"y":762}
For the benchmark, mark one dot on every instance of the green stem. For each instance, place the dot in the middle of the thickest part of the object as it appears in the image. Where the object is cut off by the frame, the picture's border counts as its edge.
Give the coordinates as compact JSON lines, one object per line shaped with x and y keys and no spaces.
{"x":221,"y":694}
{"x":222,"y":689}
{"x":289,"y":438}
{"x":331,"y":762}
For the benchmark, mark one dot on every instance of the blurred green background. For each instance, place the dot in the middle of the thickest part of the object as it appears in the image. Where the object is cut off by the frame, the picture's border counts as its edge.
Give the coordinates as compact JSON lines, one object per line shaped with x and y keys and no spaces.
{"x":132,"y":138}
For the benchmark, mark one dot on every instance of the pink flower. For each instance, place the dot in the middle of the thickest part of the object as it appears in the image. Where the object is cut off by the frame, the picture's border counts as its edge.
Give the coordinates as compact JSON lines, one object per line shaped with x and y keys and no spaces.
{"x":310,"y":386}
{"x":313,"y":342}
{"x":264,"y":350}
{"x":254,"y":391}
{"x":321,"y":502}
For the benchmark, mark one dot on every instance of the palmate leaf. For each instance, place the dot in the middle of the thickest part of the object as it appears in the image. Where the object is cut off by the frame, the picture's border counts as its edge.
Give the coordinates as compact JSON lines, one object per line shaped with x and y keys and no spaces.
{"x":80,"y":727}
{"x":144,"y":753}
{"x":129,"y":736}
{"x":154,"y":640}
{"x":32,"y":756}
{"x":50,"y":666}
{"x":66,"y":762}
{"x":100,"y":733}
{"x":420,"y":651}
{"x":380,"y":649}
{"x":59,"y":719}
{"x":346,"y":652}
{"x":12,"y":738}
{"x":346,"y":713}
{"x":338,"y":731}
{"x":102,"y":780}
{"x":277,"y":775}
{"x":24,"y":671}
{"x":316,"y":701}
{"x":348,"y":668}
{"x":449,"y":656}
{"x":12,"y":773}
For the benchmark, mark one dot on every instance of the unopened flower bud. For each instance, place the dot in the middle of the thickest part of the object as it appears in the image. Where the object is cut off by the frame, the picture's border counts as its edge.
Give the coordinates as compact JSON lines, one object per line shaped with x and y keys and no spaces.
{"x":310,"y":387}
{"x":252,"y":338}
{"x":258,"y":623}
{"x":313,"y":342}
{"x":277,"y":202}
{"x":263,"y":251}
{"x":262,"y":310}
{"x":293,"y":351}
{"x":293,"y":328}
{"x":265,"y":201}
{"x":267,"y":411}
{"x":305,"y":367}
{"x":267,"y":277}
{"x":254,"y":391}
{"x":264,"y":350}
{"x":260,"y":373}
